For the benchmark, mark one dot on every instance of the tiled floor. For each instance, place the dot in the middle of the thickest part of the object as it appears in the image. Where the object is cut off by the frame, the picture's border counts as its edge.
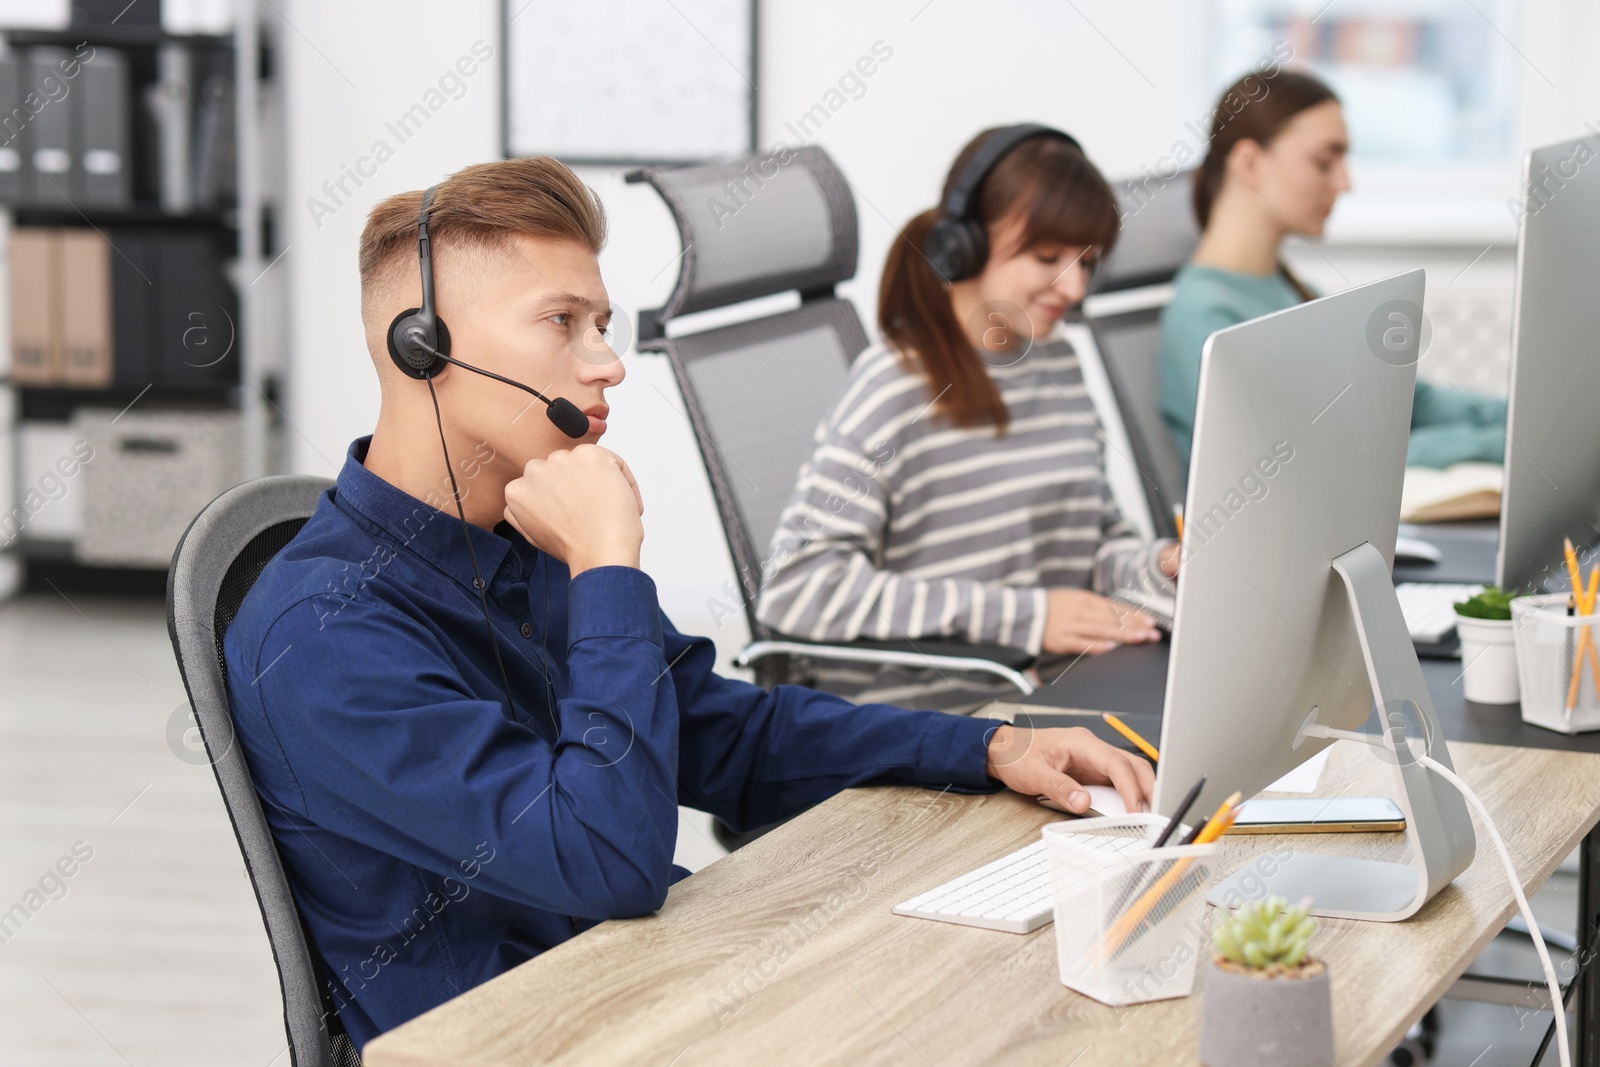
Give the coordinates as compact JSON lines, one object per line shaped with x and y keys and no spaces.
{"x":152,"y":952}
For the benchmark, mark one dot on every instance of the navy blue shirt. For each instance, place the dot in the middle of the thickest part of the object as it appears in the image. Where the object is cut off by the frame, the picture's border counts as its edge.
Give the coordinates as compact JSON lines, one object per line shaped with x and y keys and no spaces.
{"x":434,"y":838}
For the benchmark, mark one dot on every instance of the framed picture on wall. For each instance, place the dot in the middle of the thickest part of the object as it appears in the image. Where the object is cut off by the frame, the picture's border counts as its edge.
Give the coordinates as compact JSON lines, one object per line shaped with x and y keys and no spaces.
{"x":620,"y":82}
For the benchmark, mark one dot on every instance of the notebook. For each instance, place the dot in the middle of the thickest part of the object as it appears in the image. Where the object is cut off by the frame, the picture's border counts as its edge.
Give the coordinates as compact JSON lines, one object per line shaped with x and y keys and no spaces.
{"x":1461,"y":491}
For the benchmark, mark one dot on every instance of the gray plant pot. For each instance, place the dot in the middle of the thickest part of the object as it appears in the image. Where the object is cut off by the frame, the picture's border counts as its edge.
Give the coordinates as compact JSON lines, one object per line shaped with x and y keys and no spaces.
{"x":1265,"y":1022}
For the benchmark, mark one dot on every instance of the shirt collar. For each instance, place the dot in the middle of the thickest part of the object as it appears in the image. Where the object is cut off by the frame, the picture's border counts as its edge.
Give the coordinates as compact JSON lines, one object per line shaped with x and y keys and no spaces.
{"x":433,"y":534}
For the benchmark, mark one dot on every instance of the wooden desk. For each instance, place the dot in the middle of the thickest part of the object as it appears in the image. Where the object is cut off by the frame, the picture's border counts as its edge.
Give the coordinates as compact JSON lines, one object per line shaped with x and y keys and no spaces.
{"x":786,"y":951}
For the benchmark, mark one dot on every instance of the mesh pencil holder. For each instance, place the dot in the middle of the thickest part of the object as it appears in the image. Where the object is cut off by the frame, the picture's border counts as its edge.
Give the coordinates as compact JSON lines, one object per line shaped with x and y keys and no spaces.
{"x":1552,"y":651}
{"x":1130,"y":919}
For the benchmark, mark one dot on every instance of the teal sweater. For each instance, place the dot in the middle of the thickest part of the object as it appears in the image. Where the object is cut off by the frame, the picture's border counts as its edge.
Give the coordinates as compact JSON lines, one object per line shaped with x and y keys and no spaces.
{"x":1447,"y":425}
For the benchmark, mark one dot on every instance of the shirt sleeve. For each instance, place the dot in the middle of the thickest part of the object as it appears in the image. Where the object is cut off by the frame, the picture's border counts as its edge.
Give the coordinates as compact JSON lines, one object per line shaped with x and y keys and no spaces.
{"x":824,"y":579}
{"x":1124,"y":560}
{"x":411,"y":763}
{"x":752,"y":756}
{"x":1450,"y":425}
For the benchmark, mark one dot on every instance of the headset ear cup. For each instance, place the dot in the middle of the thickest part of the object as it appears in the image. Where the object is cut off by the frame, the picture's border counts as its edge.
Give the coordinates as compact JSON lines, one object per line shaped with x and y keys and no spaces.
{"x":956,"y":248}
{"x":414,"y":361}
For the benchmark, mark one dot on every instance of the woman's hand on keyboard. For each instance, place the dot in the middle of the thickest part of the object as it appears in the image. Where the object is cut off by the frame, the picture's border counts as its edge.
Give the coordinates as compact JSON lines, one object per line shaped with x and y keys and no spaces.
{"x":1077,"y":620}
{"x":1059,"y":763}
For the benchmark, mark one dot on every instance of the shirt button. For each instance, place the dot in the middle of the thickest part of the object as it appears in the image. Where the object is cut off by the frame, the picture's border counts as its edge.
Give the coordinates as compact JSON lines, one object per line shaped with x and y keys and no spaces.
{"x":527,"y":630}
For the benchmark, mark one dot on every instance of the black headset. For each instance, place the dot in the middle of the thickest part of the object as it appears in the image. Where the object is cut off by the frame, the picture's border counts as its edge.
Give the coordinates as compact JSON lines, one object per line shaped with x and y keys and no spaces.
{"x":419,"y":340}
{"x":958,"y":246}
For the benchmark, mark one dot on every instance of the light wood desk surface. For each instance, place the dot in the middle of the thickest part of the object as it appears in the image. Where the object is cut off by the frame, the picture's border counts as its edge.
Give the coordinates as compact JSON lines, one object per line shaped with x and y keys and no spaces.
{"x":786,"y":951}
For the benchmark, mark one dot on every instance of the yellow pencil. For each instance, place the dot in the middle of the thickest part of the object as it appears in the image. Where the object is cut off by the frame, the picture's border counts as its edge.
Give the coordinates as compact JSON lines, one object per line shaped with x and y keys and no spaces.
{"x":1583,"y":608}
{"x":1214,"y":828}
{"x":1127,"y":731}
{"x":1178,"y":521}
{"x":1584,"y":602}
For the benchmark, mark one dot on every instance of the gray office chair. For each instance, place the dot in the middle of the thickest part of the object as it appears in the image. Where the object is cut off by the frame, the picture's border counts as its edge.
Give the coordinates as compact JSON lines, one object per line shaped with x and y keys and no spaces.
{"x":215,"y":564}
{"x":1123,"y":313}
{"x":755,"y":391}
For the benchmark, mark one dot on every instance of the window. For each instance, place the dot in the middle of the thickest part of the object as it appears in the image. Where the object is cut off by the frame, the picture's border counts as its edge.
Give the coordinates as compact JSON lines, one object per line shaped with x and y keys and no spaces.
{"x":1422,"y":81}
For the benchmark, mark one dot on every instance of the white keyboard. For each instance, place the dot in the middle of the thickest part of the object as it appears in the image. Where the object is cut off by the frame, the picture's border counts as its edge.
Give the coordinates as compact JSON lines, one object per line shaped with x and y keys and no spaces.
{"x":1011,"y":894}
{"x":1429,"y":608}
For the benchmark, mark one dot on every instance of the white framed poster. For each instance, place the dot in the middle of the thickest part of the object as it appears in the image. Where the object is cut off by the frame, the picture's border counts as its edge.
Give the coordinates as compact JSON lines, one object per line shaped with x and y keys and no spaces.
{"x":629,"y":81}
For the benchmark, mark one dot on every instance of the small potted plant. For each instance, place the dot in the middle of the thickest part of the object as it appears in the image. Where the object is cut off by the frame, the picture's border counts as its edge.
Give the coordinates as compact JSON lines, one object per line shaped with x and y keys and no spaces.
{"x":1266,"y":1002}
{"x":1488,"y":647}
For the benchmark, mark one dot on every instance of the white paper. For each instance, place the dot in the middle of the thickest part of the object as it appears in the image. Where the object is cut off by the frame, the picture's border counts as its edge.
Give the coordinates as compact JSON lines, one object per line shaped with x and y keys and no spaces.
{"x":1304,"y":778}
{"x":1106,"y":800}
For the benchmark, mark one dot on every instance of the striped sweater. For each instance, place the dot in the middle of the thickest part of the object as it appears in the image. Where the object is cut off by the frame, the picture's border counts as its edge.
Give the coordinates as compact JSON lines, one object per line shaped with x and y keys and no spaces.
{"x":903,"y":526}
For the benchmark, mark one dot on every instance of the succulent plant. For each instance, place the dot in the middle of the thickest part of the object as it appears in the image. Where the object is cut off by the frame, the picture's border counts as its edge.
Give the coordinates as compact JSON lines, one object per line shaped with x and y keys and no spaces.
{"x":1266,"y":933}
{"x":1492,"y":603}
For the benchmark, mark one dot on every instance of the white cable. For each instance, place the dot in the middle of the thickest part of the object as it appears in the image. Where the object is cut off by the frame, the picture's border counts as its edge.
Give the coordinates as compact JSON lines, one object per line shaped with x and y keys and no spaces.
{"x":1556,"y":1003}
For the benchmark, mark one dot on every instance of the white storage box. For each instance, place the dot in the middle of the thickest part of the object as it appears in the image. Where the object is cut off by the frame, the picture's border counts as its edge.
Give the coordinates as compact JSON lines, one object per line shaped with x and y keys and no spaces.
{"x":151,"y":474}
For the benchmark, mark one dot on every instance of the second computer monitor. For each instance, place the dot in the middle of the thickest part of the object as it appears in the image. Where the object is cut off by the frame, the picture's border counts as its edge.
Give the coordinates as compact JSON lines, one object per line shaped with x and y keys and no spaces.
{"x":1299,"y":453}
{"x":1286,"y":619}
{"x":1552,"y":486}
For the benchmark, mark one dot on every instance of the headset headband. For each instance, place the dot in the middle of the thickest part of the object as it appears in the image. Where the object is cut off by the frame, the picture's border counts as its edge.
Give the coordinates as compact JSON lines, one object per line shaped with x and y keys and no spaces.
{"x":990,"y":152}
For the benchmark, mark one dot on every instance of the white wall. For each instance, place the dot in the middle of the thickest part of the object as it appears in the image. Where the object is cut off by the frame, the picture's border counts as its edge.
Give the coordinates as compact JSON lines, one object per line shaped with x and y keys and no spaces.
{"x":347,"y":70}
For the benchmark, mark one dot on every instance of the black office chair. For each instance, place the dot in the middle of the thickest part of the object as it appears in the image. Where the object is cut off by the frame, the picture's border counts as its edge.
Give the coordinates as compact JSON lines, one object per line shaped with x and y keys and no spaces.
{"x":755,"y":391}
{"x":215,"y":564}
{"x":1123,"y":313}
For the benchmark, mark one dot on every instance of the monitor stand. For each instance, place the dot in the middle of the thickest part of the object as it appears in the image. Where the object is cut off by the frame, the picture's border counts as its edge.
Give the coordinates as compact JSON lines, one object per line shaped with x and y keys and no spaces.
{"x":1438,"y":826}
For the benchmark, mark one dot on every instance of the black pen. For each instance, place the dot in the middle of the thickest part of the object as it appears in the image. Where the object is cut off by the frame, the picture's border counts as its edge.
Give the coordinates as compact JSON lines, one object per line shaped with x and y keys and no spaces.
{"x":1166,"y":835}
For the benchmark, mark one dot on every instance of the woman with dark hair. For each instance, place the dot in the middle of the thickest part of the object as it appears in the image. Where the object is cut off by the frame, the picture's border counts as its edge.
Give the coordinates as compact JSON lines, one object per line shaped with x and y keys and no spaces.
{"x":1275,"y":166}
{"x":957,"y":487}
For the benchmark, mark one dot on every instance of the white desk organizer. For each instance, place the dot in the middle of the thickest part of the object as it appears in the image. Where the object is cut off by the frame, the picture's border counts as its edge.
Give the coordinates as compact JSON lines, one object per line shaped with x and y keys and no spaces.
{"x":1108,"y":945}
{"x":1547,"y":652}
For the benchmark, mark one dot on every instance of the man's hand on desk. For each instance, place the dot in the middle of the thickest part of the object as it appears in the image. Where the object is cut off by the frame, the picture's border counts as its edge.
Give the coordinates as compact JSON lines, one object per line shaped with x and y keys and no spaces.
{"x":1058,"y":763}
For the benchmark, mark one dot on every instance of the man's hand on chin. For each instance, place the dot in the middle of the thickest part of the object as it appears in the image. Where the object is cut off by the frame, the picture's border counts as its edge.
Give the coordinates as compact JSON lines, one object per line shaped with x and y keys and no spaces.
{"x":1058,"y":763}
{"x":581,"y":505}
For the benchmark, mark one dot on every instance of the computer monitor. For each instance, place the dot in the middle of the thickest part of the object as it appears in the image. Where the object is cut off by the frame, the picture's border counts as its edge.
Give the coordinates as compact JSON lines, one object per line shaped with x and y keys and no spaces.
{"x":1286,"y":614}
{"x":1552,"y":485}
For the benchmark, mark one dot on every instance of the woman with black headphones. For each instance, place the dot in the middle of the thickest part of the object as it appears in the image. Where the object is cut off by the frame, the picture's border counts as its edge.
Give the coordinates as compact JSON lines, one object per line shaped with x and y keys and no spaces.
{"x":957,"y":489}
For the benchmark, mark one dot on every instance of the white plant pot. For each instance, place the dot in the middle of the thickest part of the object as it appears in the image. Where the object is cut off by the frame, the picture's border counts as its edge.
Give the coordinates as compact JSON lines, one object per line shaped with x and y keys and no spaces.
{"x":1488,"y":660}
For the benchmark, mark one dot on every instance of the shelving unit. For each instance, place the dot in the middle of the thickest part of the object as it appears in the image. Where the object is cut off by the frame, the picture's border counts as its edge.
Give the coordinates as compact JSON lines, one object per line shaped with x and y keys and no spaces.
{"x":240,"y":235}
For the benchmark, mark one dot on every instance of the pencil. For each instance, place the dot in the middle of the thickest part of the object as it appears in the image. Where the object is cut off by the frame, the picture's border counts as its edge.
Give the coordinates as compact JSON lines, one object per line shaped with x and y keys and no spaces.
{"x":1213,"y":829}
{"x":1172,"y":897}
{"x":1585,"y":603}
{"x":1127,"y":731}
{"x":1177,"y":521}
{"x":1138,"y":884}
{"x":1575,"y":604}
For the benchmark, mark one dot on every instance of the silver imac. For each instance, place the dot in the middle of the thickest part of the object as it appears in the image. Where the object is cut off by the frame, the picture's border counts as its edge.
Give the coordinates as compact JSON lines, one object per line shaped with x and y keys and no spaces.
{"x":1552,"y":486}
{"x":1286,"y":619}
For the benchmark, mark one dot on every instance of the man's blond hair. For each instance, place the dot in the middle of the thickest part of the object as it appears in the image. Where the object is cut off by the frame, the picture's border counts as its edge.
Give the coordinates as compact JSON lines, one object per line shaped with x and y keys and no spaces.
{"x":482,"y":207}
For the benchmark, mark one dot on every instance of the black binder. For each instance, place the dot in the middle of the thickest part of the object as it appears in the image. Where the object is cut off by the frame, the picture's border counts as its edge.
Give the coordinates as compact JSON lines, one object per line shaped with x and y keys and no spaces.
{"x":100,"y":138}
{"x":13,"y":121}
{"x":49,"y":134}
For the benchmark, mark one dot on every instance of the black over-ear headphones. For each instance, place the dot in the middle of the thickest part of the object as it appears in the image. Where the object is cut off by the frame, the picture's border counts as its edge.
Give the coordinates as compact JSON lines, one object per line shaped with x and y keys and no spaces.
{"x":419,"y":340}
{"x":958,"y":245}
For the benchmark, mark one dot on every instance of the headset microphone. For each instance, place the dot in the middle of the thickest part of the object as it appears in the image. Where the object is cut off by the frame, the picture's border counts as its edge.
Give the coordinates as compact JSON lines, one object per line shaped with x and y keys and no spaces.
{"x":563,"y":412}
{"x":419,"y":340}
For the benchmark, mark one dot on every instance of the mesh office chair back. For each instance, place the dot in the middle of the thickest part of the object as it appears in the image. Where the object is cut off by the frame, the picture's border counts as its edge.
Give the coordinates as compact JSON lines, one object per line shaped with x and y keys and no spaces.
{"x":215,"y":564}
{"x":756,"y":390}
{"x":1158,"y":236}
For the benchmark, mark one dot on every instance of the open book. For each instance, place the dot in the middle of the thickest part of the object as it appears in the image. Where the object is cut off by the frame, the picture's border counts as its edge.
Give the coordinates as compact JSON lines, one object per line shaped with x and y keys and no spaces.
{"x":1461,"y":491}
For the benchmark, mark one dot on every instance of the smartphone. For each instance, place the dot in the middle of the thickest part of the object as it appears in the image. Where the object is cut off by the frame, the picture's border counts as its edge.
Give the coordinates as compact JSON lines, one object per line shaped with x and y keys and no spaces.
{"x":1319,"y":815}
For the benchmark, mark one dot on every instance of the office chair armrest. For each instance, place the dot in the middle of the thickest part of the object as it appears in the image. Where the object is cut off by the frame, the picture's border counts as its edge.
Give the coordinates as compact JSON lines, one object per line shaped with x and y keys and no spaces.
{"x":1011,"y":664}
{"x":1004,"y":655}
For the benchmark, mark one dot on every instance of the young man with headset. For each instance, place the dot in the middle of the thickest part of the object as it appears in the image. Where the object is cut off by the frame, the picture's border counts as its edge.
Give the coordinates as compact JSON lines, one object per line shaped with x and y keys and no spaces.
{"x":470,"y":724}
